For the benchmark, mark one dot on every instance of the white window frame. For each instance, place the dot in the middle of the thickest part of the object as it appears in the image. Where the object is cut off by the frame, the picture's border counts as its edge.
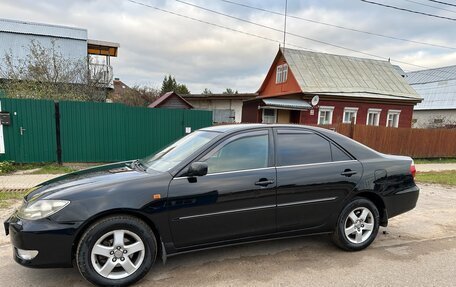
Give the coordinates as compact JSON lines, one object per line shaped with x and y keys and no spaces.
{"x":396,"y":113}
{"x":326,"y":109}
{"x":275,"y":116}
{"x":350,"y":110}
{"x":284,"y":72}
{"x":278,"y":74}
{"x":374,"y":111}
{"x":281,"y":73}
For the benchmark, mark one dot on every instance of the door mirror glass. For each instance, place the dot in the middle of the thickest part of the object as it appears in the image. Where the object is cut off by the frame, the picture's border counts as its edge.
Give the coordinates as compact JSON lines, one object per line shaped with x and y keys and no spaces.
{"x":197,"y":169}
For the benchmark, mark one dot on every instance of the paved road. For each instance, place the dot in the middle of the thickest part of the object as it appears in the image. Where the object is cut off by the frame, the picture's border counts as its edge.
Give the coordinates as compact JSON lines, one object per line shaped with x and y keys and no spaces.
{"x":419,"y":249}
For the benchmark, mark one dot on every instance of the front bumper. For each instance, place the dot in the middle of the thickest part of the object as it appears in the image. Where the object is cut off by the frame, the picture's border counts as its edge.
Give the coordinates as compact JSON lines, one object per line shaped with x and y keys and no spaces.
{"x":52,"y":240}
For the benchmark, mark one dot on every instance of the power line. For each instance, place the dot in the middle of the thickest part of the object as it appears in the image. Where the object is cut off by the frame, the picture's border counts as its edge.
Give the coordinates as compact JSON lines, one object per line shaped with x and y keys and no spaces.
{"x":408,"y":10}
{"x":256,"y":35}
{"x":443,"y":3}
{"x":296,"y":35}
{"x":338,"y":26}
{"x":432,"y":6}
{"x":202,"y":21}
{"x":214,"y":24}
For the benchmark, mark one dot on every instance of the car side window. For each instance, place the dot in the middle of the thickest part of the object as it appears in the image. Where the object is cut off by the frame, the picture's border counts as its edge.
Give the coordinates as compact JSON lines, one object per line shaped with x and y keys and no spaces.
{"x":301,"y":148}
{"x":244,"y":153}
{"x":338,"y":154}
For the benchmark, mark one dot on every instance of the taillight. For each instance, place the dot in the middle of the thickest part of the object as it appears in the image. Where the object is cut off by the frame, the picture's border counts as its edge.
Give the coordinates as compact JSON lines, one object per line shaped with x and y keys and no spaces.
{"x":413,"y":169}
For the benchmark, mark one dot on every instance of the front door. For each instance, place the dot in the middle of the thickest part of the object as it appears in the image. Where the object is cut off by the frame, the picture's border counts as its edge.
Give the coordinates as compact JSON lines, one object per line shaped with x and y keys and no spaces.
{"x":313,"y":177}
{"x":235,"y":199}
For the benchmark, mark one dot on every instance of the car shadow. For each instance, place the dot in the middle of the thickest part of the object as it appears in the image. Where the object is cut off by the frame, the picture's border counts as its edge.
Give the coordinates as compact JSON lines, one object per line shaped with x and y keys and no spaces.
{"x":212,"y":258}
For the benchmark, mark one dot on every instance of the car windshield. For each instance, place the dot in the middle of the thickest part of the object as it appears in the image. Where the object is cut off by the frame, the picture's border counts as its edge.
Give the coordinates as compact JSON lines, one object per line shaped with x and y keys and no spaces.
{"x":175,"y":153}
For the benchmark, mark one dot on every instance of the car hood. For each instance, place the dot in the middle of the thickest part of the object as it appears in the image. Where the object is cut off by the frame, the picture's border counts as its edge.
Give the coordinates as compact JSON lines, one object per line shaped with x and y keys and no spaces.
{"x":86,"y":180}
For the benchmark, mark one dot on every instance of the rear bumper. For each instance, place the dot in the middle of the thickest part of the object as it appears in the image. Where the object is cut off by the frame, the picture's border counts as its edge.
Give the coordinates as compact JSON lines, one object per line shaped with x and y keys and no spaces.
{"x":52,"y":240}
{"x":401,"y":201}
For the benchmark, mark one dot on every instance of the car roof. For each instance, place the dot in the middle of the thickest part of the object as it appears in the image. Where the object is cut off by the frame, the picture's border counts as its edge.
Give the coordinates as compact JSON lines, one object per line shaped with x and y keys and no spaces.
{"x":239,"y":127}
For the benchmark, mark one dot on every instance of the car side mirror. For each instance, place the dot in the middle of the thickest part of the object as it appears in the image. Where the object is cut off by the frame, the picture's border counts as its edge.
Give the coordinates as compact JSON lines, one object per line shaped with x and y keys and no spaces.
{"x":197,"y":168}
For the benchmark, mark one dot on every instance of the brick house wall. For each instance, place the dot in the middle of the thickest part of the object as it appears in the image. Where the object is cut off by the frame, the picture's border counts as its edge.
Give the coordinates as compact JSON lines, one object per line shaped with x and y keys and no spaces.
{"x":405,"y":117}
{"x":251,"y":113}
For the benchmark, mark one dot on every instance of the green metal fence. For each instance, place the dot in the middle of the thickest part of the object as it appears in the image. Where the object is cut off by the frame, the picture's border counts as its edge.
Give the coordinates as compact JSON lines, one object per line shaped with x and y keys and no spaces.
{"x":99,"y":132}
{"x":31,"y":135}
{"x":91,"y":132}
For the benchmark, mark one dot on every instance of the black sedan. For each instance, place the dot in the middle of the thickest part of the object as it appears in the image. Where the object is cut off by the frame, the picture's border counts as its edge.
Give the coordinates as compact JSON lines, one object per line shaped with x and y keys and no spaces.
{"x":216,"y":186}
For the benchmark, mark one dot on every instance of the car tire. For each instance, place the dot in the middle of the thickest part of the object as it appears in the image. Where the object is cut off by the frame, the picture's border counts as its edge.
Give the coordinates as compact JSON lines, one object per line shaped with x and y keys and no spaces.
{"x":116,"y":251}
{"x":357,"y":225}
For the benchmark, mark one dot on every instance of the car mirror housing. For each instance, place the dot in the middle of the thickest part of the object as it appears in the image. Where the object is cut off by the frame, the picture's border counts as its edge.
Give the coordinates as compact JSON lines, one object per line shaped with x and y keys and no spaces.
{"x":197,"y":169}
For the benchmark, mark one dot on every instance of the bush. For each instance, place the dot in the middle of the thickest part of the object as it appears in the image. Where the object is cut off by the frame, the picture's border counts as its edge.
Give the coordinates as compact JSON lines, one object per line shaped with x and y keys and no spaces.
{"x":6,"y":167}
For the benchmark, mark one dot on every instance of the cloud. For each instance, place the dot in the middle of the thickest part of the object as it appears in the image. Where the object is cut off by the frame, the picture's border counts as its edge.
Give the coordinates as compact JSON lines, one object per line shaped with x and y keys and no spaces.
{"x":154,"y":43}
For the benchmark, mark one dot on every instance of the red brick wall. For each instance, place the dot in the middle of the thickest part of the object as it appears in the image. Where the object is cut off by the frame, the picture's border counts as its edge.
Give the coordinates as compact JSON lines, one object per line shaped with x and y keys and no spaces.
{"x":405,"y":117}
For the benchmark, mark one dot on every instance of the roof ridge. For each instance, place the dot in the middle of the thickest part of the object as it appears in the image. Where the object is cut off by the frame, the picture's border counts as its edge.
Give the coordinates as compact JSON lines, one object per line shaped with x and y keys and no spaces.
{"x":331,"y":54}
{"x":41,"y":24}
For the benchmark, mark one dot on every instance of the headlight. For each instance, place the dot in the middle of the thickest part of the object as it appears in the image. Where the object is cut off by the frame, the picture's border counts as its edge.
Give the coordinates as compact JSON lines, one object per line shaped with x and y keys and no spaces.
{"x":41,"y":209}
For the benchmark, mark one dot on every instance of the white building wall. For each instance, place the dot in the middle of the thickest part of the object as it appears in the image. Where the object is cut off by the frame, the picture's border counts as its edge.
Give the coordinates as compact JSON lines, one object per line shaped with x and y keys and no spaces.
{"x":19,"y":46}
{"x":211,"y":105}
{"x":433,"y":118}
{"x":17,"y":36}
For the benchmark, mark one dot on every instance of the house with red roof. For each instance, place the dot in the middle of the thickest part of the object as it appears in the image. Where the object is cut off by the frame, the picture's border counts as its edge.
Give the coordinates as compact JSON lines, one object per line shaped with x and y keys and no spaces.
{"x":349,"y":89}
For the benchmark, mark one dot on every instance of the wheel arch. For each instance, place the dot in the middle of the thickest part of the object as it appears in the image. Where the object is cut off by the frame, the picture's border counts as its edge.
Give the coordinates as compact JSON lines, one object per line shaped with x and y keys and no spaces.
{"x":113,"y":212}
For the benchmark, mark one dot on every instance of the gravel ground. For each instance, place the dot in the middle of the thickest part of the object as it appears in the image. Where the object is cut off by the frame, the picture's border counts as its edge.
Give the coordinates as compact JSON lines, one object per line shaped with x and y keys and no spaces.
{"x":426,"y":167}
{"x":418,"y":249}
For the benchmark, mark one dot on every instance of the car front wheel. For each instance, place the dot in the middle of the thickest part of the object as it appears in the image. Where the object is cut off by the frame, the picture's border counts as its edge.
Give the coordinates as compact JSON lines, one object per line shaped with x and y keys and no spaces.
{"x":116,"y":251}
{"x":357,"y":225}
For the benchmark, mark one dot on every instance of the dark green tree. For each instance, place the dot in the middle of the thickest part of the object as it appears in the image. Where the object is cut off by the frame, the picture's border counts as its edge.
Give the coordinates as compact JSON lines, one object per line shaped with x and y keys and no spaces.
{"x":230,"y":91}
{"x":170,"y":84}
{"x":207,"y":92}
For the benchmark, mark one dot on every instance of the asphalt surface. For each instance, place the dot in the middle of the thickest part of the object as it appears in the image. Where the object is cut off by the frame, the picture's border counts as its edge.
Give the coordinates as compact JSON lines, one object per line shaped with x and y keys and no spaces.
{"x":418,"y":249}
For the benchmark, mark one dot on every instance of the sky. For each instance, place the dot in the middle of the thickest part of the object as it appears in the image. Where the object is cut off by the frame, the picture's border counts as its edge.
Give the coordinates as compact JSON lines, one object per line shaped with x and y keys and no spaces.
{"x":155,"y":43}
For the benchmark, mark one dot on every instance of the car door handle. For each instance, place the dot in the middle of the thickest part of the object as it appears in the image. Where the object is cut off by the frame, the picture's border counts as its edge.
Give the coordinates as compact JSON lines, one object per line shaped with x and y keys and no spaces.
{"x":348,"y":172}
{"x":264,"y":182}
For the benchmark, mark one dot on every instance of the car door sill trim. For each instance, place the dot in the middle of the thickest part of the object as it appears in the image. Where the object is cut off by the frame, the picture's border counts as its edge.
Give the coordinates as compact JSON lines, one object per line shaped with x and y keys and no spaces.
{"x":306,"y":201}
{"x":228,"y":211}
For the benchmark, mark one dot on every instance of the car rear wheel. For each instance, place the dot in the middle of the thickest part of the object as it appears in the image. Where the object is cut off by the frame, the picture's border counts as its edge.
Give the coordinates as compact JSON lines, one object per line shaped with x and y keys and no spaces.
{"x":357,"y":225}
{"x":116,"y":251}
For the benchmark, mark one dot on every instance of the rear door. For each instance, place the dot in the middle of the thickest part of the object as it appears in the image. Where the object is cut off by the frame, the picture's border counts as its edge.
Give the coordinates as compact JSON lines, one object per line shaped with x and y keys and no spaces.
{"x":235,"y":199}
{"x":313,"y":177}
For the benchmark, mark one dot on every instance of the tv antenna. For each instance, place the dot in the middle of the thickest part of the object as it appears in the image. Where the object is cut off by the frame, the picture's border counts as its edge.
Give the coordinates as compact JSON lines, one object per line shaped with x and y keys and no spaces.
{"x":285,"y":24}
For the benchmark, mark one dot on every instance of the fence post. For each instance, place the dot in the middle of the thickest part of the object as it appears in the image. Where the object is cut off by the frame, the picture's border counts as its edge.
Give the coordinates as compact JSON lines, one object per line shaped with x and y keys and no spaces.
{"x":352,"y":127}
{"x":57,"y":132}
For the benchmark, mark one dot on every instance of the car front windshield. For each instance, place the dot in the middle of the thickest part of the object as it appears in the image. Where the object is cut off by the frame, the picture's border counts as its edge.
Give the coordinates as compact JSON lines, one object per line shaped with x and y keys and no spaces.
{"x":175,"y":153}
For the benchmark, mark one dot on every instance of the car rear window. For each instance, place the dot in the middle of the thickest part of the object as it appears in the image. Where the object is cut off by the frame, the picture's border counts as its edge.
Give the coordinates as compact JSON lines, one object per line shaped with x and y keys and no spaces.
{"x":302,"y":148}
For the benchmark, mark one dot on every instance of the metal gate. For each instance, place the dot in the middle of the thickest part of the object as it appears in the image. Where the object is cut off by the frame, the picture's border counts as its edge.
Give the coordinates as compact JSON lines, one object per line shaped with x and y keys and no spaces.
{"x":31,"y":134}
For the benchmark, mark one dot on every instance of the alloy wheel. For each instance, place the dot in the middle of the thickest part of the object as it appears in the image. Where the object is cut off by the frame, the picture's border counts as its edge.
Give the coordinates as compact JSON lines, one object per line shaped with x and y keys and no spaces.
{"x":359,"y":225}
{"x":117,"y":254}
